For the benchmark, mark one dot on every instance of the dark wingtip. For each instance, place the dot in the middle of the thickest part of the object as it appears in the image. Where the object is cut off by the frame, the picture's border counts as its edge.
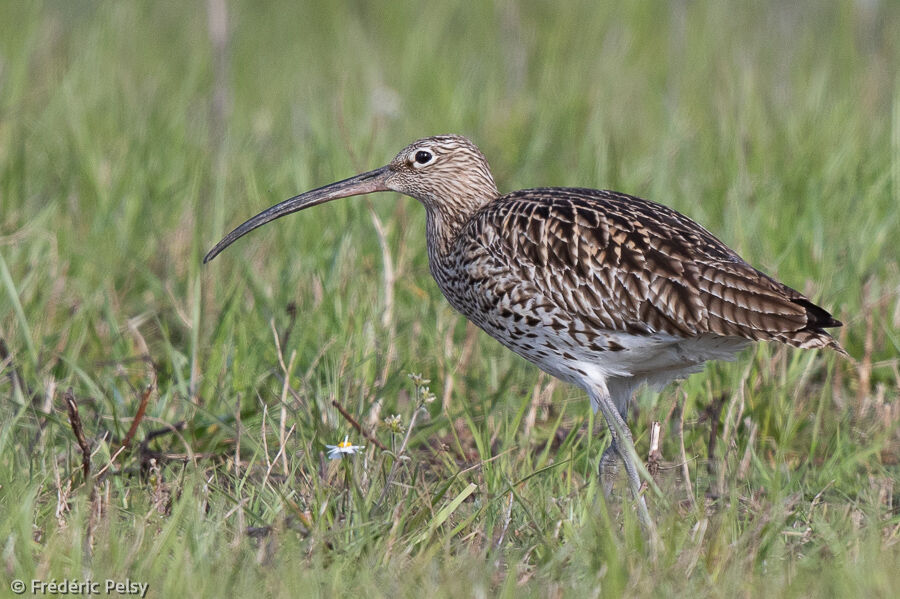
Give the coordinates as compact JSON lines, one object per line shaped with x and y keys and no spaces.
{"x":818,"y":317}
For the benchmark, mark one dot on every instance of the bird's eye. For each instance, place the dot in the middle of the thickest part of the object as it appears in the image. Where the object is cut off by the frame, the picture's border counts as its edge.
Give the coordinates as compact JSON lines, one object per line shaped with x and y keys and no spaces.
{"x":423,"y":157}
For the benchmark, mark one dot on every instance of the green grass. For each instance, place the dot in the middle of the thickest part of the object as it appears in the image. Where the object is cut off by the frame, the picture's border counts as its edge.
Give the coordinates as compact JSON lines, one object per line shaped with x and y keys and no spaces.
{"x":776,"y":126}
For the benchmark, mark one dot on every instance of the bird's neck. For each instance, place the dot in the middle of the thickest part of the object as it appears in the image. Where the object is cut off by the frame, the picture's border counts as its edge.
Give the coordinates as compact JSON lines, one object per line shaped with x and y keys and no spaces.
{"x":441,"y":229}
{"x":445,"y":221}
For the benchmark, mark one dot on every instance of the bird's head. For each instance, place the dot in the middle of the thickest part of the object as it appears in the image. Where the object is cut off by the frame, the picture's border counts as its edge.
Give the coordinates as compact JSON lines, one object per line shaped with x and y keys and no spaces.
{"x":447,"y":173}
{"x":442,"y":171}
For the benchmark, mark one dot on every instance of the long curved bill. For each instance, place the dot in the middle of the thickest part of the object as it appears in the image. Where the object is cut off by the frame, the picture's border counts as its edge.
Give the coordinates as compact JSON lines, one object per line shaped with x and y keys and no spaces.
{"x":360,"y":184}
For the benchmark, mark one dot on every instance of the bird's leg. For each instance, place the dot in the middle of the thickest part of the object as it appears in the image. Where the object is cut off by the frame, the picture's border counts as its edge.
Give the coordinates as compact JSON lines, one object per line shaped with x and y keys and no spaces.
{"x":622,"y":441}
{"x":620,"y":391}
{"x":609,"y":468}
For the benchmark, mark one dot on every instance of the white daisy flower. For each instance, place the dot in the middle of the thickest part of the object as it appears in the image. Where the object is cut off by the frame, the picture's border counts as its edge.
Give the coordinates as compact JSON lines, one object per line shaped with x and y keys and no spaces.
{"x":336,"y":452}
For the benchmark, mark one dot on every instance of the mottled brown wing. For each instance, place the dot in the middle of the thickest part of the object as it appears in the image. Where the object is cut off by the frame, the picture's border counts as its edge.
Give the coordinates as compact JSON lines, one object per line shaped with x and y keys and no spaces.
{"x":627,"y":264}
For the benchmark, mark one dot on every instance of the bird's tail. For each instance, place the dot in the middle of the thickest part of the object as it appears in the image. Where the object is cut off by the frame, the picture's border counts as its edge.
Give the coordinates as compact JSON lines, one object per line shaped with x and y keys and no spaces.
{"x":814,"y":335}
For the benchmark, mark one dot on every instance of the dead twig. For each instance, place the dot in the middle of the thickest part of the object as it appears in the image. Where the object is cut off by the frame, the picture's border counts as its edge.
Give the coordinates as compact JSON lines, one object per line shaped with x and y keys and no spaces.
{"x":138,"y":417}
{"x":357,"y":425}
{"x":78,"y":429}
{"x":93,"y":497}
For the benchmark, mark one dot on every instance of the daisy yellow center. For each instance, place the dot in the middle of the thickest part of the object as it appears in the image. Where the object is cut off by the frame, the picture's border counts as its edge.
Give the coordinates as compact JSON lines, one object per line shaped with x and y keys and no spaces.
{"x":344,"y":444}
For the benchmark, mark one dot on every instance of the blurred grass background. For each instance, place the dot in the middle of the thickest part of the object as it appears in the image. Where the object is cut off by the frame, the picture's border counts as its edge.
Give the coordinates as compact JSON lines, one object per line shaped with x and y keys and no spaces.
{"x":133,"y":135}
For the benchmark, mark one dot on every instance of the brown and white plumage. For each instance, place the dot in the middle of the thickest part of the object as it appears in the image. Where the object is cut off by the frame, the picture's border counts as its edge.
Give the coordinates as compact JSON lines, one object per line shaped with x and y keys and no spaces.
{"x":610,"y":265}
{"x":601,"y":289}
{"x":626,"y":264}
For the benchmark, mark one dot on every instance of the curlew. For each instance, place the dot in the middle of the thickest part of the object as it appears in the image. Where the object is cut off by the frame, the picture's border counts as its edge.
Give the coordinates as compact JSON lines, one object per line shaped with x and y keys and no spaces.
{"x":600,"y":289}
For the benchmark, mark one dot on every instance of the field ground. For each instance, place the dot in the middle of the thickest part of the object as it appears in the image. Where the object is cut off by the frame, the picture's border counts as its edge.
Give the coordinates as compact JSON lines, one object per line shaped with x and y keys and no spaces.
{"x":133,"y":135}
